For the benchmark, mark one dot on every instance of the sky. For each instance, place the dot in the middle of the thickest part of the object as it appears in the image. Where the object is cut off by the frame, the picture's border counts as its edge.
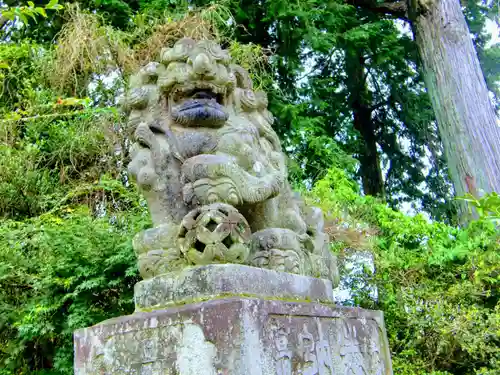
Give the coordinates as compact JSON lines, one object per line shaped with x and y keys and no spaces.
{"x":494,"y":31}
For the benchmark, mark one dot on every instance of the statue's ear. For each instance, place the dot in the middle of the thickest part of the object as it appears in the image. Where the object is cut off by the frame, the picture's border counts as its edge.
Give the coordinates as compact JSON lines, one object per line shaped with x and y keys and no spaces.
{"x":179,"y":52}
{"x":243,"y":80}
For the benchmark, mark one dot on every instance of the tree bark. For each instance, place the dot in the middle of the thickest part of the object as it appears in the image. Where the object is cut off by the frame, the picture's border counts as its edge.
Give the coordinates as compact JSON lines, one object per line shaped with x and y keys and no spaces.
{"x":371,"y":173}
{"x":466,"y":119}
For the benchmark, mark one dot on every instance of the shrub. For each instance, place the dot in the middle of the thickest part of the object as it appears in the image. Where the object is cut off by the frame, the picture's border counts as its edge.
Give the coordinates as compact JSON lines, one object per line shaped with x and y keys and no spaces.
{"x":60,"y":272}
{"x":438,"y":285}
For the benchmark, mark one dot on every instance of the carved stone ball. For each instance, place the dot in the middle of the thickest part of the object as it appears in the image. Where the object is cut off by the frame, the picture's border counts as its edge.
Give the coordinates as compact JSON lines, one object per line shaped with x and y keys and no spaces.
{"x":215,"y":233}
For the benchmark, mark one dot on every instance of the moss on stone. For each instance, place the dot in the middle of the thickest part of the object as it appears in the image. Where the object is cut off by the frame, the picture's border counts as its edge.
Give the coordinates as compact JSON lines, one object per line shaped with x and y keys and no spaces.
{"x":189,"y":301}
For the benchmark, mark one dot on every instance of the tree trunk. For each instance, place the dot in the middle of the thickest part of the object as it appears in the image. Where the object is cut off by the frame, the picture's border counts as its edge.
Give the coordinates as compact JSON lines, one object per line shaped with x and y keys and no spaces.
{"x":466,"y":119}
{"x":371,"y":173}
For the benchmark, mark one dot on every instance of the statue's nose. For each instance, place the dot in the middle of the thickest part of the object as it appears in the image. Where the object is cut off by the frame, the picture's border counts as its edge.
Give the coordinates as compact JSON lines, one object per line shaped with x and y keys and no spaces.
{"x":202,"y":66}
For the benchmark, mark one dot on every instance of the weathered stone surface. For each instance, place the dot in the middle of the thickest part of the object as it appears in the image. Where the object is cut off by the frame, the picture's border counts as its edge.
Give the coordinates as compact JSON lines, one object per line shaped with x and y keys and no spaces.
{"x":222,"y":280}
{"x":237,"y":336}
{"x":212,"y":170}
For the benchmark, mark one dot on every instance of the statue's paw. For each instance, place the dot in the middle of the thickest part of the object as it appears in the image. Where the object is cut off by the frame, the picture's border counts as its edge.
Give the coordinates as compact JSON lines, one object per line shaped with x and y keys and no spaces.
{"x":158,"y":262}
{"x":156,"y":250}
{"x":161,"y":237}
{"x":207,"y":191}
{"x":217,"y":253}
{"x":141,"y":167}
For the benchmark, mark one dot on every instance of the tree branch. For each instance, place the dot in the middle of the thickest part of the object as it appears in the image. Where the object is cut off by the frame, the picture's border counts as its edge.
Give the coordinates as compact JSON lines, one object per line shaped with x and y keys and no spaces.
{"x":397,"y":8}
{"x":57,"y":115}
{"x":378,"y":105}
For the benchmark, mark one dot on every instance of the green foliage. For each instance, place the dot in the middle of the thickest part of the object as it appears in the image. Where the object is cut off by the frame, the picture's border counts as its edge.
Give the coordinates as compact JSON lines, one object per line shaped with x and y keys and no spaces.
{"x":21,"y":77}
{"x":312,"y":151}
{"x":48,"y":145}
{"x":24,"y":189}
{"x":60,"y":272}
{"x":66,"y":219}
{"x":253,"y":58}
{"x":31,"y":11}
{"x":487,"y":207}
{"x":45,"y":29}
{"x":42,"y":159}
{"x":437,"y":285}
{"x":75,"y":145}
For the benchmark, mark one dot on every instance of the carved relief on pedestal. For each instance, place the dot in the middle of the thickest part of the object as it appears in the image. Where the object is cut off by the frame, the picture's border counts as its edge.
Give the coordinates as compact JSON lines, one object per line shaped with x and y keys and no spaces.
{"x":326,"y":346}
{"x":359,"y":346}
{"x":203,"y":136}
{"x":283,"y":356}
{"x":307,"y":353}
{"x":324,"y":352}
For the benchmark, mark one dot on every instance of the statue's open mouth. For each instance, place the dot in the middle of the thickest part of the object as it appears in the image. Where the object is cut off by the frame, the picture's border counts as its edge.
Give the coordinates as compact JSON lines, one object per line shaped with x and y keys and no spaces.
{"x":206,"y":94}
{"x":201,"y":107}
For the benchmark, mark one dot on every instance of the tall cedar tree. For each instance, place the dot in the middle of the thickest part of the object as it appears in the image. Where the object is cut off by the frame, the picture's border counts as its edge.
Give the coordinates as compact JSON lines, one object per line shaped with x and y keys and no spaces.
{"x":466,"y":118}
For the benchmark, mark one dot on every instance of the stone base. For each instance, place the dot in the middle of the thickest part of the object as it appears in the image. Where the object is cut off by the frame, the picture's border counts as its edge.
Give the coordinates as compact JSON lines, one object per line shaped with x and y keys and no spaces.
{"x":235,"y":320}
{"x":237,"y":336}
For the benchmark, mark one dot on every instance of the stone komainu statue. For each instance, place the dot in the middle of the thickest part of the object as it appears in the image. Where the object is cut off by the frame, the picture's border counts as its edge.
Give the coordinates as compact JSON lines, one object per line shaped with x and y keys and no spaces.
{"x":212,"y":170}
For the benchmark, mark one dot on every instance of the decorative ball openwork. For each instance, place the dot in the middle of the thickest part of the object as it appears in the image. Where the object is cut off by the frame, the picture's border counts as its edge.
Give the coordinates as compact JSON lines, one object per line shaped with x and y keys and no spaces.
{"x":215,"y":233}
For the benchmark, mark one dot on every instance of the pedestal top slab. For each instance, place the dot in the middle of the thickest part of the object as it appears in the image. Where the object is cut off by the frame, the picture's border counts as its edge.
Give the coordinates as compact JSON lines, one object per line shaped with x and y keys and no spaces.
{"x":222,"y":280}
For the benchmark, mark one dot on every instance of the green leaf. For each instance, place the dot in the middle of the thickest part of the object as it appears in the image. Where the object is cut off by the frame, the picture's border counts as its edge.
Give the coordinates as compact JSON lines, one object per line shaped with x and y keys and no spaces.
{"x":9,"y":14}
{"x":53,"y":4}
{"x":41,"y":11}
{"x":23,"y":18}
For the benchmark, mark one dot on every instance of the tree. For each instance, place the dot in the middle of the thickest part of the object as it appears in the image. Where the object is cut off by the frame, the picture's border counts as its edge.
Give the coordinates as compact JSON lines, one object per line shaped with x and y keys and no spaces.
{"x":361,"y":104}
{"x":466,"y":118}
{"x":361,"y":91}
{"x":457,"y":88}
{"x":44,"y":30}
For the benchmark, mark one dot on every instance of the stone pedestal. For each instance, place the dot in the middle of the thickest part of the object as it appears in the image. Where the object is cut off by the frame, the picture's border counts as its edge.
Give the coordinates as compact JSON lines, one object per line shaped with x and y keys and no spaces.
{"x":226,"y":319}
